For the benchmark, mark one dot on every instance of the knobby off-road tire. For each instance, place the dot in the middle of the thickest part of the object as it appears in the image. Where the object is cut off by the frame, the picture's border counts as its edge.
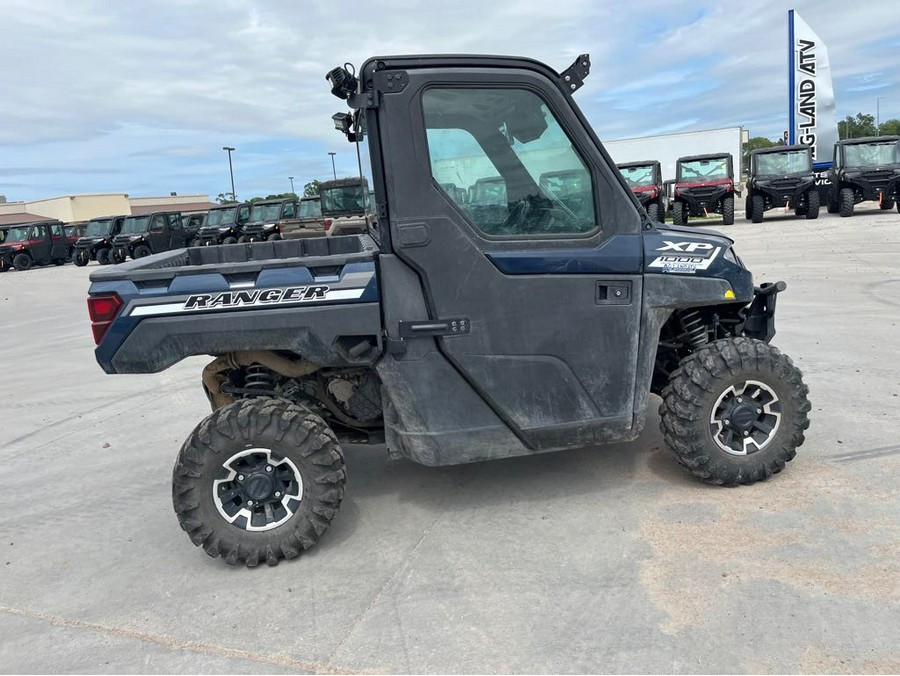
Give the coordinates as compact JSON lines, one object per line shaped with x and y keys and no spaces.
{"x":847,"y":201}
{"x":118,"y":255}
{"x":728,"y":210}
{"x":230,"y":240}
{"x":22,"y":262}
{"x":833,"y":204}
{"x":887,"y":204}
{"x":221,"y":476}
{"x":103,"y":257}
{"x":757,"y":208}
{"x":812,"y":204}
{"x":679,"y":214}
{"x":141,"y":251}
{"x":81,"y":258}
{"x":653,"y":211}
{"x":747,"y":212}
{"x":743,"y":383}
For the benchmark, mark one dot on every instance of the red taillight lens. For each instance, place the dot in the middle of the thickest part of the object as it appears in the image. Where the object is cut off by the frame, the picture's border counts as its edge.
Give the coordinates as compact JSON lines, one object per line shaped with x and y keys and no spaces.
{"x":327,"y":224}
{"x":103,"y":309}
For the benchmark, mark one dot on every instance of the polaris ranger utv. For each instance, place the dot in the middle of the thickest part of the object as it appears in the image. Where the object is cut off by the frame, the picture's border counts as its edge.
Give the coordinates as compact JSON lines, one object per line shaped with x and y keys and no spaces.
{"x":704,"y":184}
{"x":264,"y":219}
{"x":865,"y":169}
{"x":30,"y":244}
{"x":782,"y":177}
{"x":345,"y":205}
{"x":223,"y":225}
{"x":450,"y":337}
{"x":141,"y":236}
{"x":645,"y":181}
{"x":96,"y":243}
{"x":309,"y":222}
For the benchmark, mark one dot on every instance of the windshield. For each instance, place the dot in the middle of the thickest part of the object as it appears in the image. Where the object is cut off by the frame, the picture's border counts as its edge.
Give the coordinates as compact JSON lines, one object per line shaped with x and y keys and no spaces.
{"x":135,"y":224}
{"x":310,"y":209}
{"x":348,"y":199}
{"x":789,"y":162}
{"x":98,"y":228}
{"x":489,"y":192}
{"x":265,"y":212}
{"x":17,"y":234}
{"x":872,"y":154}
{"x":221,"y":216}
{"x":703,"y":170}
{"x":638,"y":177}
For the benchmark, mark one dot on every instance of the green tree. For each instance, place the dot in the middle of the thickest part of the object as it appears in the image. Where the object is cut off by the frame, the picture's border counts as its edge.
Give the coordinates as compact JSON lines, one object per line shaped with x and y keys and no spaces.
{"x":890,"y":128}
{"x":225,"y":198}
{"x":855,"y":127}
{"x":755,"y":143}
{"x":311,"y":189}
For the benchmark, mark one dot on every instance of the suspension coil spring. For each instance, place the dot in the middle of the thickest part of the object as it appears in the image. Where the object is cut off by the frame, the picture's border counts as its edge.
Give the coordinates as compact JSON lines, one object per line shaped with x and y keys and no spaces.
{"x":259,"y":379}
{"x":694,"y":328}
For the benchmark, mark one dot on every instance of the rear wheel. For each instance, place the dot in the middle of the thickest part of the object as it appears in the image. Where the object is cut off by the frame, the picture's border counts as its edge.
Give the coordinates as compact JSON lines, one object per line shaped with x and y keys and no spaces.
{"x":82,"y":258}
{"x":258,"y":480}
{"x":103,"y":256}
{"x":679,"y":216}
{"x":812,"y":204}
{"x":833,"y":204}
{"x":273,"y":237}
{"x":887,"y":204}
{"x":22,"y":262}
{"x":747,"y":213}
{"x":229,"y":240}
{"x":734,"y":411}
{"x":653,"y":212}
{"x":728,"y":210}
{"x":141,"y":251}
{"x":243,"y":239}
{"x":757,"y":208}
{"x":848,"y":200}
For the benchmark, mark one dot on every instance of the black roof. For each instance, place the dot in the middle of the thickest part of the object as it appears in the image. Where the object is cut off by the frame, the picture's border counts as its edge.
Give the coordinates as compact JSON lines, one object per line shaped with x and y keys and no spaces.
{"x":106,"y":218}
{"x":227,"y":206}
{"x":708,"y":156}
{"x":637,"y":164}
{"x":343,"y":183}
{"x":867,"y":139}
{"x":280,"y":200}
{"x":779,"y":149}
{"x":310,"y":197}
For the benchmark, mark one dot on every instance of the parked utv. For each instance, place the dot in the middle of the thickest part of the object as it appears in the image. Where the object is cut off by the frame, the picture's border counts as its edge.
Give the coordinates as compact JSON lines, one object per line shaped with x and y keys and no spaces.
{"x":96,"y":243}
{"x":704,"y":184}
{"x":865,"y":169}
{"x":309,"y":223}
{"x":141,"y":236}
{"x":192,"y":223}
{"x":30,"y":244}
{"x":447,"y":342}
{"x":781,"y":176}
{"x":645,"y":181}
{"x":265,"y":218}
{"x":223,"y":225}
{"x":345,"y":206}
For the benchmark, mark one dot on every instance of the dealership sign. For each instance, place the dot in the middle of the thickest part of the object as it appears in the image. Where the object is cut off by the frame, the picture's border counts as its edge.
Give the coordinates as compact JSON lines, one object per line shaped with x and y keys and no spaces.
{"x":811,"y":114}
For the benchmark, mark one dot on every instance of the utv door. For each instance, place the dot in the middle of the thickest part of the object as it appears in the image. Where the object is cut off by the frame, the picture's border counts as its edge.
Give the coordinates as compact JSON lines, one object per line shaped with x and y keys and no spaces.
{"x":546,"y":298}
{"x":42,"y":244}
{"x":158,"y":233}
{"x":177,"y":235}
{"x":59,"y":243}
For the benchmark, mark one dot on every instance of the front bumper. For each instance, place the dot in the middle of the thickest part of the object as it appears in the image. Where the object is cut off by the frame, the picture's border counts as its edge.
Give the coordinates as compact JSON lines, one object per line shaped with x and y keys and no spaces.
{"x":873,"y":187}
{"x":759,"y":316}
{"x":781,"y":195}
{"x":702,"y":200}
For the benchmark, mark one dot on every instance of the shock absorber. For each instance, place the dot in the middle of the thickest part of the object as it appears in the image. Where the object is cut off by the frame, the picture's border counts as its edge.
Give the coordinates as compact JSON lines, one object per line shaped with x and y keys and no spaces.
{"x":259,"y":380}
{"x":694,"y":329}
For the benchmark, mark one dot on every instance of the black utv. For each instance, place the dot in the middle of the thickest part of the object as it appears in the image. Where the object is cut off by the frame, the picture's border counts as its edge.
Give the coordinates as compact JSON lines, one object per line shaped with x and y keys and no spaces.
{"x":96,"y":243}
{"x":645,"y":181}
{"x":264,"y":220}
{"x":781,"y":177}
{"x":704,"y":184}
{"x":865,"y":169}
{"x":144,"y":235}
{"x":223,"y":225}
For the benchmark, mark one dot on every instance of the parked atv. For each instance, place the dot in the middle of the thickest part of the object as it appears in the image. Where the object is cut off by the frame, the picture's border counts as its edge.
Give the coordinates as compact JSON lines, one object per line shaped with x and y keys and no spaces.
{"x":445,"y":342}
{"x":781,"y":177}
{"x":704,"y":184}
{"x":30,"y":244}
{"x":96,"y":243}
{"x":141,"y":236}
{"x":266,"y":218}
{"x":223,"y":225}
{"x":645,"y":181}
{"x":865,"y":169}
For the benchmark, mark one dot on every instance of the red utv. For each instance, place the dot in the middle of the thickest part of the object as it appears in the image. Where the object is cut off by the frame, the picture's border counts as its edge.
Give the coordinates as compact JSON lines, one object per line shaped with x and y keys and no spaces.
{"x":704,"y":184}
{"x":645,"y":181}
{"x":34,"y":244}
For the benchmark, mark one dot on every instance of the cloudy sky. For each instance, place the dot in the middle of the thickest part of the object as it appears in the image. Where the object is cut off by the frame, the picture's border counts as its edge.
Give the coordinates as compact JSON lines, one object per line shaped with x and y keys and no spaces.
{"x":140,"y":97}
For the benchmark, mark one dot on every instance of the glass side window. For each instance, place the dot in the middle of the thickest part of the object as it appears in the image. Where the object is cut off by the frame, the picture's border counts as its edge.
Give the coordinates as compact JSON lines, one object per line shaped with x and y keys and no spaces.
{"x":288,"y":210}
{"x":158,"y":224}
{"x":502,"y":157}
{"x":56,"y":231}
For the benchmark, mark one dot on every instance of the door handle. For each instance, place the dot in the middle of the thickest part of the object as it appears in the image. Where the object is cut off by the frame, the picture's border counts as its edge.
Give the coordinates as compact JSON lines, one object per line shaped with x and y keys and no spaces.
{"x":613,"y":293}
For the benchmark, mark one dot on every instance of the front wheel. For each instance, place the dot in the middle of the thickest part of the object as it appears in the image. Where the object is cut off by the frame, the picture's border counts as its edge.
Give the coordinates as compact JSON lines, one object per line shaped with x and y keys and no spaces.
{"x":728,"y":210}
{"x":734,"y":412}
{"x":258,"y":480}
{"x":229,"y":240}
{"x":847,"y":201}
{"x":653,"y":212}
{"x":274,"y":237}
{"x":103,"y":256}
{"x":118,"y":255}
{"x":141,"y":251}
{"x":22,"y":262}
{"x":679,"y":215}
{"x":757,"y":208}
{"x":82,"y":258}
{"x":812,"y":204}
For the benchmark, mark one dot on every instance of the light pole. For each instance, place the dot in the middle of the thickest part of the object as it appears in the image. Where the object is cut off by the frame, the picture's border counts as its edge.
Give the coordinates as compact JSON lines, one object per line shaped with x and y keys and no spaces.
{"x":291,"y":179}
{"x":230,"y":150}
{"x":333,"y":170}
{"x":878,"y":114}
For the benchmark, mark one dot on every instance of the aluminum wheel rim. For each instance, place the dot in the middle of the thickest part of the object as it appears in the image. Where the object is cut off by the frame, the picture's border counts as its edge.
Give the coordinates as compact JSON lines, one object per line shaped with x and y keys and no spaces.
{"x":749,"y":434}
{"x":235,"y":502}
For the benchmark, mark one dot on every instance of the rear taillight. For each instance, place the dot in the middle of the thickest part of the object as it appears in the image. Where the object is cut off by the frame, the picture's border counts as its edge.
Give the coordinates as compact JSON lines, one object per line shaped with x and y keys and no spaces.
{"x":327,"y":224}
{"x":103,"y":310}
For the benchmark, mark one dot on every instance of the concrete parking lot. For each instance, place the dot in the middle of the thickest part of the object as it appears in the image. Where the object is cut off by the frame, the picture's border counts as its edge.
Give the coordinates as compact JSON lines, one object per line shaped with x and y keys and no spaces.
{"x":612,"y":559}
